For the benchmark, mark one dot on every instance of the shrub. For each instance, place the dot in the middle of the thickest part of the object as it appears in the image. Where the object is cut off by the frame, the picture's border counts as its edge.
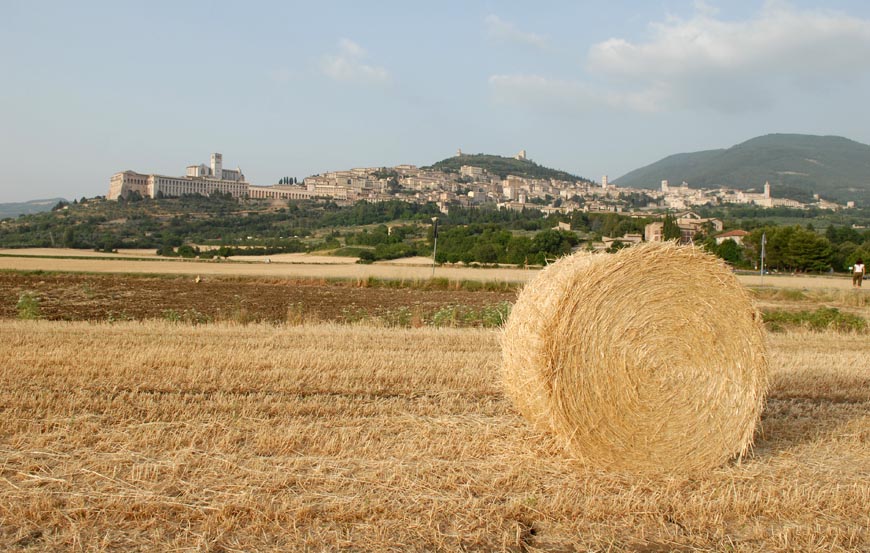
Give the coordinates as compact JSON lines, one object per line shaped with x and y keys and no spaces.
{"x":28,"y":306}
{"x":366,"y":257}
{"x":188,"y":316}
{"x":495,"y":315}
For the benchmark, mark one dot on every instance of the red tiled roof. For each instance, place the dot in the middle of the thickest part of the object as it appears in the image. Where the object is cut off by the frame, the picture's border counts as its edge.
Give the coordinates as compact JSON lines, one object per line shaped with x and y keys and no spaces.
{"x":731,"y":233}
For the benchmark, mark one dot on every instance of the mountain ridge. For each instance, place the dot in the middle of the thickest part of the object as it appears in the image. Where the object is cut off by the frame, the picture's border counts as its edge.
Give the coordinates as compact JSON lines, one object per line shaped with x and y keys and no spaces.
{"x":796,"y":165}
{"x":14,"y":209}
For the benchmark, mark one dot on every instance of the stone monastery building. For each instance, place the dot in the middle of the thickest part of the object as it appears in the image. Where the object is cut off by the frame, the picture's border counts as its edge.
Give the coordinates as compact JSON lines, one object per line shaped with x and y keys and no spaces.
{"x":200,"y":179}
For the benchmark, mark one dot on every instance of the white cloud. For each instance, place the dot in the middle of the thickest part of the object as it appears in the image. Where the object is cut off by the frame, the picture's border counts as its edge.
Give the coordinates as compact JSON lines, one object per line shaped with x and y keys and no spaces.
{"x":499,"y":30}
{"x":349,"y":65}
{"x":710,"y":63}
{"x":697,"y":57}
{"x":559,"y":96}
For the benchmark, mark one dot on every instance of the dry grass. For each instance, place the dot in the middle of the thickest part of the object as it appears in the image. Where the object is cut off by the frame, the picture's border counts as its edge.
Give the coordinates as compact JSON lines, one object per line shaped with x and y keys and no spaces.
{"x":852,"y":301}
{"x":650,"y":360}
{"x":302,"y":258}
{"x":23,"y":261}
{"x":161,"y":437}
{"x":279,"y":270}
{"x":804,"y":282}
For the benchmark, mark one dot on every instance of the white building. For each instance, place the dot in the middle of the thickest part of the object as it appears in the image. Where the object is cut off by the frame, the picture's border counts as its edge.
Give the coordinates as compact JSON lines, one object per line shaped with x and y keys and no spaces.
{"x":763,"y":199}
{"x":471,"y":171}
{"x":126,"y":183}
{"x":280,"y":192}
{"x":161,"y":186}
{"x":200,"y":179}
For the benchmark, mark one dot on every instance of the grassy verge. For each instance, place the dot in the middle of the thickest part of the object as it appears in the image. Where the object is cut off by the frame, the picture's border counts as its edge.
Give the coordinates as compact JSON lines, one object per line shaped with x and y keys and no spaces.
{"x":434,"y":284}
{"x":107,"y":257}
{"x":822,"y":319}
{"x":370,"y":282}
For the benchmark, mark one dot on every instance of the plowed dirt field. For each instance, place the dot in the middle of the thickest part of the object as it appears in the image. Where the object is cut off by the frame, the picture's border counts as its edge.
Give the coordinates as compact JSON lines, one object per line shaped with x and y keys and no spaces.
{"x":76,"y":296}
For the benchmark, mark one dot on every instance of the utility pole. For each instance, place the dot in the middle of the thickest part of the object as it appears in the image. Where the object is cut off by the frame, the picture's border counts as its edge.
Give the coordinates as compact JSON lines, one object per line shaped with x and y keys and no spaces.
{"x":435,"y":246}
{"x":763,"y":244}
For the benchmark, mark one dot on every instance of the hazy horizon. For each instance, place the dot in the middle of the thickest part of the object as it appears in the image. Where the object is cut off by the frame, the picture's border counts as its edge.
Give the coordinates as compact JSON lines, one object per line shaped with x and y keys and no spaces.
{"x":292,"y":90}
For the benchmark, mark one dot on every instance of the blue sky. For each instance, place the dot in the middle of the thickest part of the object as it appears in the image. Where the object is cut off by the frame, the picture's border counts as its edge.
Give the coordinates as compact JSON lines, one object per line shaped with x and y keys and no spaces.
{"x":298,"y":88}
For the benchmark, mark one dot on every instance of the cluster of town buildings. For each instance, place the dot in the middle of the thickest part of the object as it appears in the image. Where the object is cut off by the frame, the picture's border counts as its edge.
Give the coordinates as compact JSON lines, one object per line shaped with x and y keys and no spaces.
{"x":471,"y":186}
{"x":690,"y":225}
{"x":683,"y":197}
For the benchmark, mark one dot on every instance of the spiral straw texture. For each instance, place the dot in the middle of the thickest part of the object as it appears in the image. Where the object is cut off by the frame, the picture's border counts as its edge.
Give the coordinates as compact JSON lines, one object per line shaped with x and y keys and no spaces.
{"x":648,"y":360}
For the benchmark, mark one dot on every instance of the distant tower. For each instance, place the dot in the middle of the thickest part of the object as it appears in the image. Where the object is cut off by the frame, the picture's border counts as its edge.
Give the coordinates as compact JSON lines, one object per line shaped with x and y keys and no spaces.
{"x":458,"y":152}
{"x":217,"y":166}
{"x":665,"y":186}
{"x":604,"y":182}
{"x":767,"y":189}
{"x":521,"y":156}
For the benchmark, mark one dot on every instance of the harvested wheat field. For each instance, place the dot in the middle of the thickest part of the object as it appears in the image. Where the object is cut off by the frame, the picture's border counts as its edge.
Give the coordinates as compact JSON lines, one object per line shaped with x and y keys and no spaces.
{"x":248,"y":268}
{"x":161,"y":437}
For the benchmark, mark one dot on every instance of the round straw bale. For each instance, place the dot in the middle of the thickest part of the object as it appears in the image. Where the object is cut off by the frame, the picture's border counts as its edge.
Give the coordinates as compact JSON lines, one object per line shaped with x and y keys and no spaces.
{"x":648,"y":360}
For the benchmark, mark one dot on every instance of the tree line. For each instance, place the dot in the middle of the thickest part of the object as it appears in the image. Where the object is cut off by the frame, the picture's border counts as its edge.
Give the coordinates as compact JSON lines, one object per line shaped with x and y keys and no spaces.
{"x":483,"y":234}
{"x":795,"y":248}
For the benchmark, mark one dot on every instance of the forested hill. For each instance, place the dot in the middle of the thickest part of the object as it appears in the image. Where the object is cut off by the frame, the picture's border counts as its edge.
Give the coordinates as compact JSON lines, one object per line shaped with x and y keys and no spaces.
{"x":796,"y":165}
{"x":504,"y":166}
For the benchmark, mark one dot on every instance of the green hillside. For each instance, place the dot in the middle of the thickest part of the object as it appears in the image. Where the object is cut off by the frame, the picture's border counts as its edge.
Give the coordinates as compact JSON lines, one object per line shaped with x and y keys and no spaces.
{"x":219,"y":219}
{"x":797,"y":166}
{"x":504,"y":166}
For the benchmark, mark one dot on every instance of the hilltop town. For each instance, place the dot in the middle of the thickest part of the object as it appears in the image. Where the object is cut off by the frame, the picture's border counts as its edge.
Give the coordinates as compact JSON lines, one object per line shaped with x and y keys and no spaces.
{"x":471,"y":185}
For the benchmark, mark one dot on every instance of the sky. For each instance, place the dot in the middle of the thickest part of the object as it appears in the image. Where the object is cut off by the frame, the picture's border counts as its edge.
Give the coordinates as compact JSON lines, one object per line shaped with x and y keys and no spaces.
{"x":296,"y":88}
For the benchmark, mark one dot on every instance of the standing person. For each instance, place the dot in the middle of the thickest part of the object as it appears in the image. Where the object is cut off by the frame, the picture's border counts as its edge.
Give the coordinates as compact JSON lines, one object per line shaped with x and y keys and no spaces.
{"x":858,"y":273}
